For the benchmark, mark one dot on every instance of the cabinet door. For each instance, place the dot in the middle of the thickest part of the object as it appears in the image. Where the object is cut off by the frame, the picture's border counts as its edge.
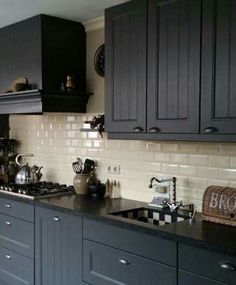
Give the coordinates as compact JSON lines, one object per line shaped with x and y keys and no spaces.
{"x":126,"y":30}
{"x":173,"y":66}
{"x":186,"y":278}
{"x":103,"y":265}
{"x":15,"y":269}
{"x":58,"y":252}
{"x":219,"y":67}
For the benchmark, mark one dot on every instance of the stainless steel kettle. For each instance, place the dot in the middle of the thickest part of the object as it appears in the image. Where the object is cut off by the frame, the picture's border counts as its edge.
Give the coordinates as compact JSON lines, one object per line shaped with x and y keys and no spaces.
{"x":27,"y":174}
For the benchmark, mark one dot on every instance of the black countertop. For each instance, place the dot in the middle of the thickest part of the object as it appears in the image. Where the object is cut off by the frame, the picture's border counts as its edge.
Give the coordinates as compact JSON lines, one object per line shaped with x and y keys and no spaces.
{"x":205,"y":234}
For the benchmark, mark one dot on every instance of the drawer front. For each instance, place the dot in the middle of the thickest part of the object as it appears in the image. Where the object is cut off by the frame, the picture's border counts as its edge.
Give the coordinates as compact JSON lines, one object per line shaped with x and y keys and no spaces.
{"x":15,"y":269}
{"x":138,"y":243}
{"x":104,"y":265}
{"x":17,"y":235}
{"x":186,"y":278}
{"x":17,"y":209}
{"x":208,"y":263}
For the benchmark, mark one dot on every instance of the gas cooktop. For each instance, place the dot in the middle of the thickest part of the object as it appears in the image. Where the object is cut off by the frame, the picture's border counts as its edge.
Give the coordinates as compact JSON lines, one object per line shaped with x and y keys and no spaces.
{"x":37,"y":191}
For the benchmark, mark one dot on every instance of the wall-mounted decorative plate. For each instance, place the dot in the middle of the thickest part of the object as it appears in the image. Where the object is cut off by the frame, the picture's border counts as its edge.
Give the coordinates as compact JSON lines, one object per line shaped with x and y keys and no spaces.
{"x":99,"y":60}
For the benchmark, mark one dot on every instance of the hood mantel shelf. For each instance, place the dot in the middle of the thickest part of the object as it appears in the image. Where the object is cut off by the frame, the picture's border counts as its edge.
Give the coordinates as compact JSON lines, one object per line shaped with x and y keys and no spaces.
{"x":36,"y":102}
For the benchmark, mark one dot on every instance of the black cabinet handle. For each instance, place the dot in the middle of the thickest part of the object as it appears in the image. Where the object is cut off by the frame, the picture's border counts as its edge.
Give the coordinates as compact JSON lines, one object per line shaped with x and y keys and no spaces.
{"x":8,"y":223}
{"x":210,"y":130}
{"x":8,"y":205}
{"x":154,"y":130}
{"x":124,"y":261}
{"x":138,"y":130}
{"x":8,"y":256}
{"x":225,"y":265}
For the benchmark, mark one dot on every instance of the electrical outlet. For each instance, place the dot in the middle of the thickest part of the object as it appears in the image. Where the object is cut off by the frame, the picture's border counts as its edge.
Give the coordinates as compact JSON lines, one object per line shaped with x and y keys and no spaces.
{"x":113,"y":169}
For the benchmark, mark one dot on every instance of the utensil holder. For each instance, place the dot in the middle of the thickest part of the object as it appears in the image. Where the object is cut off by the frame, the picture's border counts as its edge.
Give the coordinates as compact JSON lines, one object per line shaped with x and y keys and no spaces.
{"x":81,"y":183}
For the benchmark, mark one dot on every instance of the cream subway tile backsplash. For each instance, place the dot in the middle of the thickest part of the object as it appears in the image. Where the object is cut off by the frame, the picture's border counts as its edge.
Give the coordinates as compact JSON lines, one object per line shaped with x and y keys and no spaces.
{"x":56,"y":141}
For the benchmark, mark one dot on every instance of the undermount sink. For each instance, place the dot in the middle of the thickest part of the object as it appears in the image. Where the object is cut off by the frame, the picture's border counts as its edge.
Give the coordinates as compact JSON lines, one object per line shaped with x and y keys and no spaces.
{"x":159,"y":217}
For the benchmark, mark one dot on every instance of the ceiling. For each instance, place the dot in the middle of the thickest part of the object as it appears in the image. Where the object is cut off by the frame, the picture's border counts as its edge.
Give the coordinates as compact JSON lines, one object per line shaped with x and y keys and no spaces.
{"x":12,"y":11}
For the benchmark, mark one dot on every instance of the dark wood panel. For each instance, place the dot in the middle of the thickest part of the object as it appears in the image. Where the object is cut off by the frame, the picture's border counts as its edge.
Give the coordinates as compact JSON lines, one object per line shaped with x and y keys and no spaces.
{"x":126,"y":32}
{"x":174,"y":66}
{"x":107,"y":266}
{"x":58,"y":248}
{"x":218,"y":87}
{"x":4,"y":126}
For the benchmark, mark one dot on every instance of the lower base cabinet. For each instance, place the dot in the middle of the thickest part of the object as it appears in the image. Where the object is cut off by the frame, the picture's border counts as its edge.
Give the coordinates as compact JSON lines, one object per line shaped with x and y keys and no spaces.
{"x":58,"y":248}
{"x":104,"y":265}
{"x":186,"y":278}
{"x":15,"y":269}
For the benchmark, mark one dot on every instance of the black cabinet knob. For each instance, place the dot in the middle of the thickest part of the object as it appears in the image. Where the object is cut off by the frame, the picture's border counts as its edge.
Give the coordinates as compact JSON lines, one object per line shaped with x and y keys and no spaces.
{"x":138,"y":130}
{"x":225,"y":265}
{"x":210,"y":130}
{"x":154,"y":130}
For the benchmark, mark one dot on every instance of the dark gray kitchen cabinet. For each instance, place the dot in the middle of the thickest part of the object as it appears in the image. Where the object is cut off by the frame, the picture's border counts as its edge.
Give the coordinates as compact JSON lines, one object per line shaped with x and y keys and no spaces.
{"x":103,"y":265}
{"x":58,"y":248}
{"x":126,"y":36}
{"x":218,"y":87}
{"x":15,"y":269}
{"x":186,"y":278}
{"x":190,"y":66}
{"x":210,"y":265}
{"x":16,"y":242}
{"x":174,"y":37}
{"x":158,"y":40}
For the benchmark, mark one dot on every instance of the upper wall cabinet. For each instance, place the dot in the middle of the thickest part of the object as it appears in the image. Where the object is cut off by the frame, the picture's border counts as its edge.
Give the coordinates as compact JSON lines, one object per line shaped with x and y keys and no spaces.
{"x":219,"y":67}
{"x":189,"y":59}
{"x":173,"y":66}
{"x":126,"y":36}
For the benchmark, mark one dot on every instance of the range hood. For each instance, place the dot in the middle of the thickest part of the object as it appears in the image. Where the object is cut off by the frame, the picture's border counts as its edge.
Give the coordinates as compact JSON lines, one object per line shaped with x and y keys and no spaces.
{"x":36,"y":102}
{"x":46,"y":52}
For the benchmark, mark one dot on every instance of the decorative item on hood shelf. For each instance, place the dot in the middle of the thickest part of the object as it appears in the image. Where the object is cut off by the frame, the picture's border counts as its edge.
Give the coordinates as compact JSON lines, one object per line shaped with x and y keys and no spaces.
{"x":20,"y":84}
{"x":70,"y":83}
{"x":97,"y":123}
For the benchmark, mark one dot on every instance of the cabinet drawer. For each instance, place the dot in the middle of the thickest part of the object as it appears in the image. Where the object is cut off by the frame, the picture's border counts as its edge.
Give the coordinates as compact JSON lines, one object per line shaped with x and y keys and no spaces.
{"x":17,"y":235}
{"x":186,"y":278}
{"x":15,"y":269}
{"x":104,"y":265}
{"x":207,"y":263}
{"x":17,"y":209}
{"x":138,"y":243}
